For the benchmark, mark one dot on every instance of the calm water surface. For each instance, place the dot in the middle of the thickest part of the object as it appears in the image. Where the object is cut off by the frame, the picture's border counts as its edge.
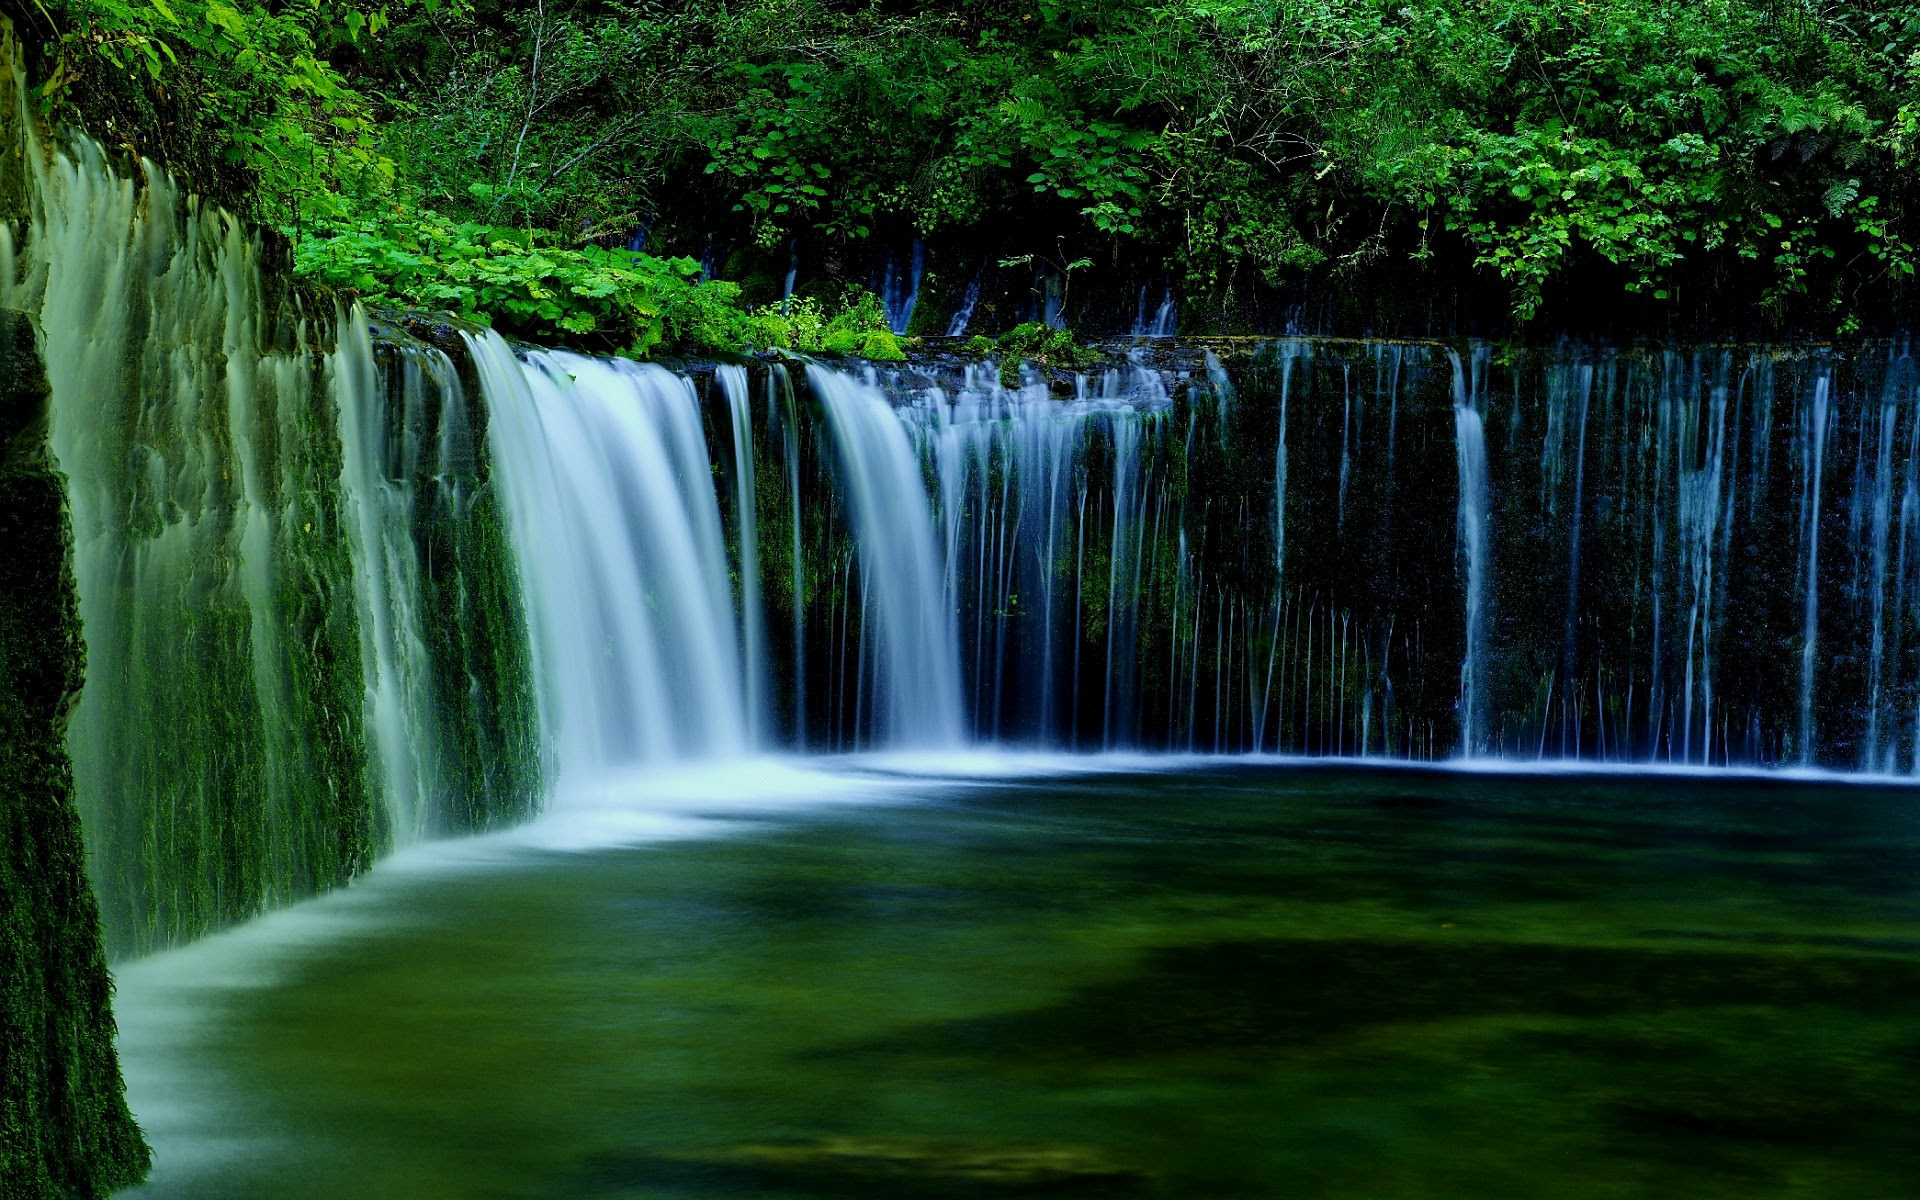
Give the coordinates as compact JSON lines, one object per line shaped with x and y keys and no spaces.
{"x":1220,"y":982}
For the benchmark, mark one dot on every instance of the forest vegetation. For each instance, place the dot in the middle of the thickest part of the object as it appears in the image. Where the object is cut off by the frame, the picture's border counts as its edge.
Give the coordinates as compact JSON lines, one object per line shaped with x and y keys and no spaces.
{"x":640,"y":176}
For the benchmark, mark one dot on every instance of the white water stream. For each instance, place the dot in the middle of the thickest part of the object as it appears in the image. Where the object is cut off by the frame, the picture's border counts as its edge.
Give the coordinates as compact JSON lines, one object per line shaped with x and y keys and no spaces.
{"x":616,"y":524}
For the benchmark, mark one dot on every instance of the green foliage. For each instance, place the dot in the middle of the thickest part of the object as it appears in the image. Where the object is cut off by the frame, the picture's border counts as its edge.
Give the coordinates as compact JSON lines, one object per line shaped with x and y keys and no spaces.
{"x":1766,"y":144}
{"x":1035,"y":343}
{"x":245,"y":83}
{"x":1046,"y":346}
{"x":772,"y":152}
{"x":617,"y":298}
{"x":534,"y":114}
{"x":1648,"y":136}
{"x":856,"y":326}
{"x":609,"y":299}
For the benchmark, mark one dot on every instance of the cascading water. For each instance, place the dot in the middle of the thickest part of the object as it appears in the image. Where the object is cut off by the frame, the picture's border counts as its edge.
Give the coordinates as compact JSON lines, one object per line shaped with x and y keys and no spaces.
{"x":607,"y":478}
{"x":1565,"y":554}
{"x":753,"y":634}
{"x":915,"y":645}
{"x":1015,"y":487}
{"x":337,"y":600}
{"x":166,"y":404}
{"x":1161,"y":322}
{"x":1572,"y":400}
{"x":1288,"y":358}
{"x":898,"y":285}
{"x":401,"y":715}
{"x":1875,"y":582}
{"x":781,"y":403}
{"x":1471,"y":453}
{"x":969,"y":300}
{"x":264,"y":709}
{"x":1815,"y":441}
{"x":1582,"y":574}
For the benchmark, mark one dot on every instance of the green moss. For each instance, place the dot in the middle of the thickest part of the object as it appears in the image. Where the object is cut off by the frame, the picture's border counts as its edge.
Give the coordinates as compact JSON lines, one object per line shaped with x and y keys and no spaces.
{"x":940,"y":294}
{"x":881,"y":345}
{"x":1035,"y":343}
{"x":65,"y":1130}
{"x":203,"y":814}
{"x":1043,"y":345}
{"x":491,"y":765}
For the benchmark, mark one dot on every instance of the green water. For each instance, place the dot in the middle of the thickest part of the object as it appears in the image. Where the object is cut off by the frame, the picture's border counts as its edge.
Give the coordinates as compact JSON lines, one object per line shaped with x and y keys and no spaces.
{"x":1253,"y":981}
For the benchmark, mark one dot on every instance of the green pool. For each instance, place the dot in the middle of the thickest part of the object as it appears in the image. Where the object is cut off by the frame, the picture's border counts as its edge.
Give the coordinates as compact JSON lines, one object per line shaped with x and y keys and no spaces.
{"x":1218,"y":981}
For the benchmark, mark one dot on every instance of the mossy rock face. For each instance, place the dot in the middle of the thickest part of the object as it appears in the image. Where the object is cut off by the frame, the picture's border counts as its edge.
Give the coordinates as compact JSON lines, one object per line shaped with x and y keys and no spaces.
{"x":489,"y":767}
{"x":65,"y":1130}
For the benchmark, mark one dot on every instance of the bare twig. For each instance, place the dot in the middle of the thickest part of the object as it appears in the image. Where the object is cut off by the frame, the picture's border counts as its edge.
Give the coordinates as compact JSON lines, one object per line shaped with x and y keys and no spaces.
{"x":533,"y":94}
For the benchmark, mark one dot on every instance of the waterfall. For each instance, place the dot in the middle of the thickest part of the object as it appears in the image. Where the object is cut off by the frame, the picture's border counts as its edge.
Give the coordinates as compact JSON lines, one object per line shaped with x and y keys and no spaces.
{"x":899,"y":286}
{"x":1569,"y":652}
{"x":969,"y":299}
{"x":1877,"y":587}
{"x":343,"y":590}
{"x":402,"y":727}
{"x":1699,"y":510}
{"x":746,"y":523}
{"x":1114,"y":578}
{"x":1018,"y":512}
{"x":609,"y":491}
{"x":191,"y":746}
{"x":267,"y":702}
{"x":1123,"y":582}
{"x":1471,"y":452}
{"x":918,"y":672}
{"x":1289,"y":357}
{"x":421,"y":603}
{"x":1904,"y":590}
{"x":1162,"y":321}
{"x":1815,"y":442}
{"x":790,"y":448}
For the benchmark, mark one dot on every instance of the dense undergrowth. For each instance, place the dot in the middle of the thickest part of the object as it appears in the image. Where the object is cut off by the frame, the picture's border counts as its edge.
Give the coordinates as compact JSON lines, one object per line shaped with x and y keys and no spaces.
{"x":500,"y":158}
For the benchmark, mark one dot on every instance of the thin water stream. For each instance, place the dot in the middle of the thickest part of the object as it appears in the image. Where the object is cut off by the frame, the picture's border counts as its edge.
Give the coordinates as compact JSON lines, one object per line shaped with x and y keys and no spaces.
{"x":1222,"y":980}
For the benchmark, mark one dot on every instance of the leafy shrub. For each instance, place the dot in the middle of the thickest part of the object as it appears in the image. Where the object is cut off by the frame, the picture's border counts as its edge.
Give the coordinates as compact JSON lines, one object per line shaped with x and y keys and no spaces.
{"x":609,"y":299}
{"x":240,"y":95}
{"x":1764,"y":147}
{"x":612,"y":298}
{"x":857,"y":326}
{"x":1045,"y":346}
{"x":1036,"y":343}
